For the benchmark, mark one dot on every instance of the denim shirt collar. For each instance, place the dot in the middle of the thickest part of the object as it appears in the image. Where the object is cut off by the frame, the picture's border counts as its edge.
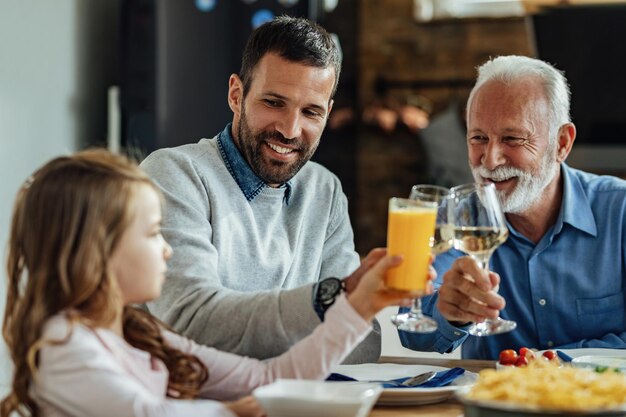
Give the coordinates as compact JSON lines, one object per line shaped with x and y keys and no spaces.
{"x":575,"y":209}
{"x":250,"y":184}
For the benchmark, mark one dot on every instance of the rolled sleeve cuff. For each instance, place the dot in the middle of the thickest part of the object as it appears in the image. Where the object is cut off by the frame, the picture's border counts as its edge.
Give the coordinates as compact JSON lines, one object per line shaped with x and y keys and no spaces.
{"x":446,"y":339}
{"x":449,"y":337}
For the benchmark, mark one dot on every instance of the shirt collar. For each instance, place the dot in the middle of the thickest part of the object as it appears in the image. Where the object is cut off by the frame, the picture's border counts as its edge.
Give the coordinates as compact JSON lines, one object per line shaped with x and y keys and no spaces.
{"x":250,"y":184}
{"x":575,"y":209}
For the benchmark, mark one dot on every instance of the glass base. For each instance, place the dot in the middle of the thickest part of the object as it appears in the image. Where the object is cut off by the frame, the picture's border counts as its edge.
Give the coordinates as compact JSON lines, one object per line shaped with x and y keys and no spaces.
{"x":410,"y":322}
{"x":490,"y":327}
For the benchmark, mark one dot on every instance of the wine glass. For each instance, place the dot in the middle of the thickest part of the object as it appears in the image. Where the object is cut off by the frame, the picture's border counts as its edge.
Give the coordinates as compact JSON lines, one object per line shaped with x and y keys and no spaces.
{"x":443,"y":238}
{"x":412,"y":234}
{"x":479,"y":228}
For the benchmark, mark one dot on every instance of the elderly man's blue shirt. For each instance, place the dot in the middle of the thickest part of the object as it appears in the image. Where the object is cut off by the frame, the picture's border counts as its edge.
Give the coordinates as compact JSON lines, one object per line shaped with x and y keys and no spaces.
{"x":566,"y":291}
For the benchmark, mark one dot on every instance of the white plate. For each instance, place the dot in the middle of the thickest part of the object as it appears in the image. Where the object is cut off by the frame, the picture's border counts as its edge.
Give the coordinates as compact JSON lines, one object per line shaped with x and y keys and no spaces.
{"x":575,"y":353}
{"x":405,"y":396}
{"x":593,"y":361}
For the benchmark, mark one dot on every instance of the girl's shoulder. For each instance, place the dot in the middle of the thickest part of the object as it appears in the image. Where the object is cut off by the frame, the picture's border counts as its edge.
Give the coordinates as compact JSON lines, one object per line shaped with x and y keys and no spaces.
{"x":70,"y":339}
{"x":66,"y":333}
{"x":62,"y":328}
{"x":66,"y":344}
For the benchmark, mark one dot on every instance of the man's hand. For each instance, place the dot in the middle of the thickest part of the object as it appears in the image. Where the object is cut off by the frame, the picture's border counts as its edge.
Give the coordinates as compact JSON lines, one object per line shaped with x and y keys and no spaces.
{"x":467,"y":293}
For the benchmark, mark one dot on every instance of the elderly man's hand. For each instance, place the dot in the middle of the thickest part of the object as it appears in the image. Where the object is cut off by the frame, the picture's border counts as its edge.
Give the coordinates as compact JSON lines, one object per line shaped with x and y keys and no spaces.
{"x":467,"y":293}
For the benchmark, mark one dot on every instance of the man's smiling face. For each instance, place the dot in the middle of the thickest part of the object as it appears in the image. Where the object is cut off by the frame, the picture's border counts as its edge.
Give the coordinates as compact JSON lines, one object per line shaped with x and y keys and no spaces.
{"x":278,"y":124}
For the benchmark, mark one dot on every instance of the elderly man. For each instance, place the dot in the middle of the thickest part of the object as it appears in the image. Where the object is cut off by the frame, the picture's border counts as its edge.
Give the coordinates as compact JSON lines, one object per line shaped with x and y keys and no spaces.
{"x":562,"y":270}
{"x":253,"y":223}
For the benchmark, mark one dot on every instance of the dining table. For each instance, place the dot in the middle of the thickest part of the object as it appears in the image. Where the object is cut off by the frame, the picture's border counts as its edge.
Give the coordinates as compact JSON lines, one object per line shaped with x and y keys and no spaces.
{"x":448,"y":408}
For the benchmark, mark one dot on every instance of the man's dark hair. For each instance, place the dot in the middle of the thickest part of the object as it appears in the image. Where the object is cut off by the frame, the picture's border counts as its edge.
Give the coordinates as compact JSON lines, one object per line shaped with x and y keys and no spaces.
{"x":294,"y":39}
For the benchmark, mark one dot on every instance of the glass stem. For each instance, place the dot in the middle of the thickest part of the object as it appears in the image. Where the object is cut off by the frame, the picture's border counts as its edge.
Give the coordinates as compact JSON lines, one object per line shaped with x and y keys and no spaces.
{"x":416,"y":310}
{"x":483,"y":260}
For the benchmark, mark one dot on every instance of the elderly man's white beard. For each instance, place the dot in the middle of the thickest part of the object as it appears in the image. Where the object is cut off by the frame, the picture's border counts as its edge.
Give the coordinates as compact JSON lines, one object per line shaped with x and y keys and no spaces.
{"x":530,"y":185}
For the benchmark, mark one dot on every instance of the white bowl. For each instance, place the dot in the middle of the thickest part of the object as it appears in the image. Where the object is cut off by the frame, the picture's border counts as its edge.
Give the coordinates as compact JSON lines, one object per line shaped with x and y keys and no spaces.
{"x":303,"y":398}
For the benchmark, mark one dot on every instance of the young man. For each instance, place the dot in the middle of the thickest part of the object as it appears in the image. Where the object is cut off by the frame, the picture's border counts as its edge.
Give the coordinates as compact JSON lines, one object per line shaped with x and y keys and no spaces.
{"x":562,"y":270}
{"x":253,"y":223}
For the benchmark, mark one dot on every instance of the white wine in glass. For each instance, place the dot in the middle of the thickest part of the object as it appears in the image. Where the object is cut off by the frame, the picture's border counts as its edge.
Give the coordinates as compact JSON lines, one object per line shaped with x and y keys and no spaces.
{"x":479,"y":240}
{"x":479,"y":228}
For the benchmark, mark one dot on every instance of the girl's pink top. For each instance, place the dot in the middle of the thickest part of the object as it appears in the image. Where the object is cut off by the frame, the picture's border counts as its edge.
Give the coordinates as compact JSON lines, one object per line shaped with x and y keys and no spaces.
{"x":96,"y":373}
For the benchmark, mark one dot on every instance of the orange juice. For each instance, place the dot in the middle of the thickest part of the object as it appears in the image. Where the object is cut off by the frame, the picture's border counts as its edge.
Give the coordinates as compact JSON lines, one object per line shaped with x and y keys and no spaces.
{"x":410,"y":227}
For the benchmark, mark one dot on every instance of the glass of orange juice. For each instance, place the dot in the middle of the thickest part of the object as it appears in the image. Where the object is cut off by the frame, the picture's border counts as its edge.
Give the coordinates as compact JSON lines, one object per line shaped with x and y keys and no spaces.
{"x":410,"y":229}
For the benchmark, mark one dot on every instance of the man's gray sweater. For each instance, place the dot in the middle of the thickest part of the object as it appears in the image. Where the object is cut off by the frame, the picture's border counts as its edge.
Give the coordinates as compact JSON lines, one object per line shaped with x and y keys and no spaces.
{"x":242,"y":272}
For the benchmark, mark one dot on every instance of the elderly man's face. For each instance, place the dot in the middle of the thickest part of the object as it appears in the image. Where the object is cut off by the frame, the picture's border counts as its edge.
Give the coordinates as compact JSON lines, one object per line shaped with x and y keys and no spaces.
{"x":278,"y":125}
{"x":508,"y":142}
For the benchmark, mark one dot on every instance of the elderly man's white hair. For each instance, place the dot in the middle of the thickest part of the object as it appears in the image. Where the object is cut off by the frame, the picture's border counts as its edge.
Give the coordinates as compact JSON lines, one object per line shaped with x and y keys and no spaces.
{"x":512,"y":68}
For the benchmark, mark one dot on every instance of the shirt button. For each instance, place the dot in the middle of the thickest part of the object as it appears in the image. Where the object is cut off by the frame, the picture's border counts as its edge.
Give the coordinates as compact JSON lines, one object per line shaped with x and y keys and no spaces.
{"x":542,"y":302}
{"x":550,"y":343}
{"x":457,"y":333}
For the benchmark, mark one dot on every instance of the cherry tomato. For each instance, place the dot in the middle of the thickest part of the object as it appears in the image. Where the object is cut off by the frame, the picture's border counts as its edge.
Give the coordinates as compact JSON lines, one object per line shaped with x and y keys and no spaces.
{"x":550,"y":355}
{"x":527,"y":353}
{"x":521,"y":361}
{"x":508,"y":357}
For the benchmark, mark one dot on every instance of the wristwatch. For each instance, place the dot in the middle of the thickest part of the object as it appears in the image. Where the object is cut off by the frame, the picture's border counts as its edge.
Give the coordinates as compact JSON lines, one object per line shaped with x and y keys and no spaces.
{"x":324,"y":294}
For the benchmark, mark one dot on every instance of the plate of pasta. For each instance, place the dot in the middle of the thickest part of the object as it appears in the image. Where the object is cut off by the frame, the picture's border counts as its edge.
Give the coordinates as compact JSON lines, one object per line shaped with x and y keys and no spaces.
{"x":542,"y":389}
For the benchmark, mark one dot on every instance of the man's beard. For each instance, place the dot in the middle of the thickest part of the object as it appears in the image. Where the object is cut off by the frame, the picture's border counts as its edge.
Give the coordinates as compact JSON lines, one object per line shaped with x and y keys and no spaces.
{"x":529,"y":187}
{"x":273,"y":171}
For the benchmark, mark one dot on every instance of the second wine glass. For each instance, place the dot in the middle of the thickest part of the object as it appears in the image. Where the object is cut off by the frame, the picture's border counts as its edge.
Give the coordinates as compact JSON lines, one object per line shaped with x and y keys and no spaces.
{"x":443,"y":238}
{"x":479,"y":228}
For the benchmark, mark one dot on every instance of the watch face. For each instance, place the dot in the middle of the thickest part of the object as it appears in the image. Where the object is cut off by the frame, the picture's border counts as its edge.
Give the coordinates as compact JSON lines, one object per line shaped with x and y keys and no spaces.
{"x":328,"y":289}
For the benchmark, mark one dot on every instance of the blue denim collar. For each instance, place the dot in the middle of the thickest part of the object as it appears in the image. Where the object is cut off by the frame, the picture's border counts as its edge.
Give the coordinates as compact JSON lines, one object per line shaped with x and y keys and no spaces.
{"x":576,"y":208}
{"x":249,"y":183}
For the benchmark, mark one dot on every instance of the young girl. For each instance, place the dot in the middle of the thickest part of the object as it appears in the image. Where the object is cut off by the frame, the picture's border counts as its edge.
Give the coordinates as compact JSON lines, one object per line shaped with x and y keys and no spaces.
{"x":85,"y":245}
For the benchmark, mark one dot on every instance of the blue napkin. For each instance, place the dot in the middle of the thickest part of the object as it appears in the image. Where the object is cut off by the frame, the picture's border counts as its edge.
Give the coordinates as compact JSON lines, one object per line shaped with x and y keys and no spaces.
{"x":441,"y":379}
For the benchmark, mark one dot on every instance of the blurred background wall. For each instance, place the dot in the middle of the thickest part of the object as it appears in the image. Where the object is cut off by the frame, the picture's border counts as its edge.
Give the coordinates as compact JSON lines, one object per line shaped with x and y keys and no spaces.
{"x":56,"y":60}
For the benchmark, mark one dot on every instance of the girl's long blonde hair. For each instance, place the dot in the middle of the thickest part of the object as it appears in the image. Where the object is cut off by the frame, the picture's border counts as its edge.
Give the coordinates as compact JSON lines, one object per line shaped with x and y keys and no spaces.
{"x":67,"y":220}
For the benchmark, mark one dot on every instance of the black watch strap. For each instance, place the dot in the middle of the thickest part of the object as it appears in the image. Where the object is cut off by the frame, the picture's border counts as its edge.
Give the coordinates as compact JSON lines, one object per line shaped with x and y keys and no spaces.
{"x":325,"y":292}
